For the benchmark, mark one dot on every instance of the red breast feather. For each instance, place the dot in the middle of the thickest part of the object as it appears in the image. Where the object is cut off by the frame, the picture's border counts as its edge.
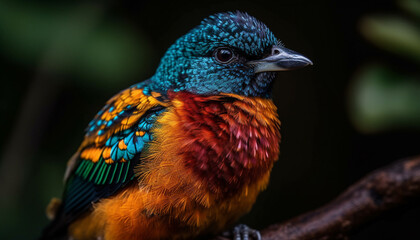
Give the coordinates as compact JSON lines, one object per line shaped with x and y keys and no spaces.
{"x":228,"y":140}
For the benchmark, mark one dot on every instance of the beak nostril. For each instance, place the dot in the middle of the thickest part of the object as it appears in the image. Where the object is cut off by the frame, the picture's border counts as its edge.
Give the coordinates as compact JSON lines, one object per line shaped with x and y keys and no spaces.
{"x":275,"y":51}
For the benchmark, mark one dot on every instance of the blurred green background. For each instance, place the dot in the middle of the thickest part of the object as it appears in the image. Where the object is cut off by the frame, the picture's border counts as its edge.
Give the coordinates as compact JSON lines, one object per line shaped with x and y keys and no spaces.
{"x":356,"y":109}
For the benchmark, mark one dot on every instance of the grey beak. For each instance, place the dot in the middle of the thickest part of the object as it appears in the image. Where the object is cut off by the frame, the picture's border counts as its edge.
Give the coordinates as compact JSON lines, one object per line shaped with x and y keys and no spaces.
{"x":280,"y":59}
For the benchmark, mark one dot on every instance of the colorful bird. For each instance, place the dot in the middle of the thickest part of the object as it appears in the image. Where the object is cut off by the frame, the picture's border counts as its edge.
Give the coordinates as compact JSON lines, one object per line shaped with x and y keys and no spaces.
{"x":187,"y":151}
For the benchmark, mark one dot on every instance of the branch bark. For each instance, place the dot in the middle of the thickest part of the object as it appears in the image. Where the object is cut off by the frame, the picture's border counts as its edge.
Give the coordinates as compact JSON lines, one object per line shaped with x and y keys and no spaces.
{"x":377,"y":192}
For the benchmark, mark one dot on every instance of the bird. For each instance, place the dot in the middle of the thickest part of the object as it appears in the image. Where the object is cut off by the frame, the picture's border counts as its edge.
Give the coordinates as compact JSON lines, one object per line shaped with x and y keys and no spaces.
{"x":186,"y":152}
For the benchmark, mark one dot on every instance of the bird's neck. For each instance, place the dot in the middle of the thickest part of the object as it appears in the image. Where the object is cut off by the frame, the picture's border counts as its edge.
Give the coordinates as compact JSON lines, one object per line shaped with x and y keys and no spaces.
{"x":226,"y":141}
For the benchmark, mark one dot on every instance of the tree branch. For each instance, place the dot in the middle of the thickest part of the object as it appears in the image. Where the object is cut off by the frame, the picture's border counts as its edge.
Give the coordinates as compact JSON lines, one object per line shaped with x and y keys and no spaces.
{"x":374,"y":194}
{"x":377,"y":192}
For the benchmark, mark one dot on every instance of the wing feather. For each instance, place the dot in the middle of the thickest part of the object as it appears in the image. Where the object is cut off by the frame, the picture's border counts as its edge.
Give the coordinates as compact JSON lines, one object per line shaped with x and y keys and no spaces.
{"x":111,"y":149}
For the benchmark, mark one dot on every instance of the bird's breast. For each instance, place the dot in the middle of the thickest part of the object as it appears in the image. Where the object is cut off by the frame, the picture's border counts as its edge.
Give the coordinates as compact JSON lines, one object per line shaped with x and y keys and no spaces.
{"x":224,"y":142}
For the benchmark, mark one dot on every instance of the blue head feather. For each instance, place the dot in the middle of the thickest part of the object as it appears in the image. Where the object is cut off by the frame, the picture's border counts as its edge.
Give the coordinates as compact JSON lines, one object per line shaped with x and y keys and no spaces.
{"x":190,"y":64}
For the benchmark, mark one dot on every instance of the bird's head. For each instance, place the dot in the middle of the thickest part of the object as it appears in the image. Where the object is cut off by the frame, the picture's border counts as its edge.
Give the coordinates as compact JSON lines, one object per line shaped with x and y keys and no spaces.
{"x":226,"y":53}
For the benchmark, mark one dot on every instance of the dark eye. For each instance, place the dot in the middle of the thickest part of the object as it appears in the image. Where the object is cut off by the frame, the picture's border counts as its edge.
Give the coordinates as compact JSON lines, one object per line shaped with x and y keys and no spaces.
{"x":224,"y":55}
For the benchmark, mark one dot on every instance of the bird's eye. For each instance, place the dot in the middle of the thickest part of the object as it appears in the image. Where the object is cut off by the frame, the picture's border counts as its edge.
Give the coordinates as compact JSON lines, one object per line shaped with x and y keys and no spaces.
{"x":224,"y":55}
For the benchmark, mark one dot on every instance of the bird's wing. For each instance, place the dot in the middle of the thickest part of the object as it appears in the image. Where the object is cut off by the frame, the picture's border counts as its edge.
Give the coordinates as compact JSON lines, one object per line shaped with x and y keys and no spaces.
{"x":111,"y":149}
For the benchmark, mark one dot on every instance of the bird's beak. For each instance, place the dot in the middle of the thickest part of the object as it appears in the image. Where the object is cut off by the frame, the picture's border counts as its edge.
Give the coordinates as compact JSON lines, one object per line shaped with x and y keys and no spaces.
{"x":280,"y":59}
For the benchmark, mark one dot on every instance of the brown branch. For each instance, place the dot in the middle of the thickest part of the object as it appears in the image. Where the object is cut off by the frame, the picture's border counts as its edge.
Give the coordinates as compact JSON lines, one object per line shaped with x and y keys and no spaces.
{"x":377,"y":192}
{"x":374,"y":194}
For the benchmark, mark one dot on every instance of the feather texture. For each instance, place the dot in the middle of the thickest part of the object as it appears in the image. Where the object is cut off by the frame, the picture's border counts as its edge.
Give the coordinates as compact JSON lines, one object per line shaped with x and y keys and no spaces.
{"x":180,"y":187}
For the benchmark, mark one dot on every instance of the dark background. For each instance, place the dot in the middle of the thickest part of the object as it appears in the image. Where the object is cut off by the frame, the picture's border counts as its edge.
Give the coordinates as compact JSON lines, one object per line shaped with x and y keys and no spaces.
{"x":61,"y":62}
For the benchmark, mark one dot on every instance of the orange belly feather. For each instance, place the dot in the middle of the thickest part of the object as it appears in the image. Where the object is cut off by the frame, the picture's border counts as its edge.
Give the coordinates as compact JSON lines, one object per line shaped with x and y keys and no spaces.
{"x":210,"y":158}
